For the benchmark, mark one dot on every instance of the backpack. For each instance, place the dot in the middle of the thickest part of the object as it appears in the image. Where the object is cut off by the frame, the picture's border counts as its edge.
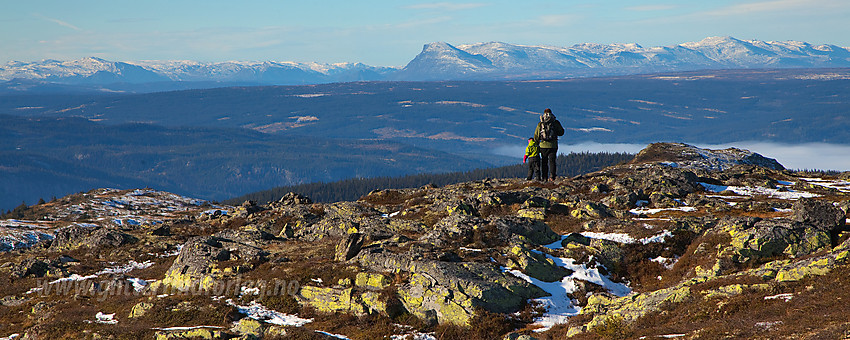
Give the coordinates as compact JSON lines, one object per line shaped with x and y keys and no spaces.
{"x":547,"y":132}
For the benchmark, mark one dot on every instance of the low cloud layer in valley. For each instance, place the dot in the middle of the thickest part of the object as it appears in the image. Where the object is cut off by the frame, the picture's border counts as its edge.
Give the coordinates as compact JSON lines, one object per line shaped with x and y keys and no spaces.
{"x":822,"y":156}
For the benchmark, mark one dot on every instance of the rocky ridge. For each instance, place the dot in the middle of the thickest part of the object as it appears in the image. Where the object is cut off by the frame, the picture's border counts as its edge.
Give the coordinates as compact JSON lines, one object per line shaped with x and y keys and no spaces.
{"x":679,"y":241}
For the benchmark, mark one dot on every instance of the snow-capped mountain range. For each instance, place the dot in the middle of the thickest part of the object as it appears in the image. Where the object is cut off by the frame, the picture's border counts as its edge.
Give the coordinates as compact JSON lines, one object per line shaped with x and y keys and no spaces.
{"x":496,"y":60}
{"x":442,"y":61}
{"x":98,"y":71}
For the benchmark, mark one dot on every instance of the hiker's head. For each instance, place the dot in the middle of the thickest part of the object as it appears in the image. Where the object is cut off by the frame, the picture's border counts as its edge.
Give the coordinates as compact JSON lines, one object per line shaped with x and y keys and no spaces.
{"x":530,"y":139}
{"x":547,"y":115}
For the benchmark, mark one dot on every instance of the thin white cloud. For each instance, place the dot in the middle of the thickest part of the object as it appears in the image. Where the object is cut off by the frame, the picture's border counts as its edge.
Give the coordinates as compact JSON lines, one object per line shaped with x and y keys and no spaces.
{"x":777,"y":6}
{"x":651,"y":8}
{"x":423,"y":22}
{"x":58,"y":22}
{"x":446,"y":6}
{"x":556,"y":20}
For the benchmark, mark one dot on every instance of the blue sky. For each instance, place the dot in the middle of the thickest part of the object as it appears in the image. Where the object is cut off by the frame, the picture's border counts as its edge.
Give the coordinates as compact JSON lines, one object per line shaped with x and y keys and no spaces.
{"x":386,"y":32}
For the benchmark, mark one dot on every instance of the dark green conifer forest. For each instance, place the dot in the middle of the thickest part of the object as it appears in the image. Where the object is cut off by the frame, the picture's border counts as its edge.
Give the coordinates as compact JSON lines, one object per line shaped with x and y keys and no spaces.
{"x":569,"y":165}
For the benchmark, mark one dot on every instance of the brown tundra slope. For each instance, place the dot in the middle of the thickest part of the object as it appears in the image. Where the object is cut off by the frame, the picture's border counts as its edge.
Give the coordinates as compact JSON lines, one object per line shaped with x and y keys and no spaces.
{"x":681,"y":242}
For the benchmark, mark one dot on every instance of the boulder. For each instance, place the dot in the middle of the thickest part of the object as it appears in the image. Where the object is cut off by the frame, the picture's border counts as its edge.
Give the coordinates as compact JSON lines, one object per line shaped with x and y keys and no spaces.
{"x":347,"y":300}
{"x":204,"y":260}
{"x":450,"y":292}
{"x":502,"y":197}
{"x":590,"y":210}
{"x":821,"y":215}
{"x":202,"y":332}
{"x":77,"y":236}
{"x":453,"y":229}
{"x":348,"y":247}
{"x":631,"y":307}
{"x":373,"y":281}
{"x":139,"y":309}
{"x":345,"y":218}
{"x":246,"y":209}
{"x":754,"y":239}
{"x":249,"y":327}
{"x":525,"y":229}
{"x":294,"y":198}
{"x":31,"y":267}
{"x":536,"y":264}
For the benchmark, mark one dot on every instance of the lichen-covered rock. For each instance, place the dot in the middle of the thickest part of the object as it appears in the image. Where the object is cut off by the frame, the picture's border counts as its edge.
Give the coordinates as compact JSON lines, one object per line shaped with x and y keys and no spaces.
{"x":139,"y":309}
{"x":201,"y":332}
{"x":205,"y":259}
{"x":632,"y":306}
{"x":623,"y":201}
{"x":661,"y":180}
{"x":822,"y":215}
{"x":349,"y":246}
{"x":330,"y":299}
{"x":754,"y":238}
{"x":374,"y":281}
{"x":590,"y":210}
{"x":502,"y":197}
{"x":347,"y":300}
{"x":345,"y":218}
{"x":515,"y":336}
{"x":453,"y":229}
{"x":525,"y":229}
{"x":451,"y":291}
{"x":732,"y":290}
{"x":788,"y":270}
{"x":536,"y":264}
{"x":294,"y":198}
{"x":246,"y":209}
{"x":76,"y":236}
{"x":31,"y":267}
{"x":533,"y":213}
{"x":249,"y":327}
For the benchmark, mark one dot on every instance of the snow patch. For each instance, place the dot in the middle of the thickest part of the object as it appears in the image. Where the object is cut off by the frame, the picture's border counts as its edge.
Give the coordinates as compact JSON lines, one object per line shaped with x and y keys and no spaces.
{"x":626,"y":238}
{"x":843,"y":186}
{"x":259,"y":312}
{"x":559,"y":306}
{"x":667,"y":262}
{"x":132,"y":265}
{"x":74,"y":277}
{"x":414,"y":336}
{"x":616,"y":237}
{"x":109,"y":319}
{"x":138,"y":284}
{"x":248,"y":290}
{"x":759,"y":191}
{"x":185,"y":328}
{"x":786,"y":296}
{"x":338,"y":336}
{"x":648,"y":211}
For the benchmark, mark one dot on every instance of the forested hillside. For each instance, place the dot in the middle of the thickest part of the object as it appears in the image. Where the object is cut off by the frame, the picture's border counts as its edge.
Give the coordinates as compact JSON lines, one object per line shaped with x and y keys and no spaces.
{"x":569,"y":165}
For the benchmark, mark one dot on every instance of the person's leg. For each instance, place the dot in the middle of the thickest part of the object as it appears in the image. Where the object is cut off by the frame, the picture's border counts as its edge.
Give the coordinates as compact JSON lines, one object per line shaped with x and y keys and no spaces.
{"x":544,"y":164}
{"x":537,"y":167}
{"x":553,"y":167}
{"x":530,"y":169}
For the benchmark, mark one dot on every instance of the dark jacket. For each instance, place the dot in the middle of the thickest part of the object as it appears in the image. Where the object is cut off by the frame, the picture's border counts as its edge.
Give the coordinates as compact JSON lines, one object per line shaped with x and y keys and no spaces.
{"x":556,"y":127}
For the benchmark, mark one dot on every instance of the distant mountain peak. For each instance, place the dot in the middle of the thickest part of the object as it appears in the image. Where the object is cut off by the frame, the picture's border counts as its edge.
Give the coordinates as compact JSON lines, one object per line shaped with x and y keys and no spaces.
{"x":440,"y":60}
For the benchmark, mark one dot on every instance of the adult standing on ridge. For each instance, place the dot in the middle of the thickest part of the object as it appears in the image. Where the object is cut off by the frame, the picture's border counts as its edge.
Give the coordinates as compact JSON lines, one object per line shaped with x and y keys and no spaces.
{"x":546,"y":134}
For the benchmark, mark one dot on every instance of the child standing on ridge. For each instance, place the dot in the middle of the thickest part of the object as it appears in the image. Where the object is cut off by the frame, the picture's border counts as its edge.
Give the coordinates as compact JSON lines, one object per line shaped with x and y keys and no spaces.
{"x":532,"y":155}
